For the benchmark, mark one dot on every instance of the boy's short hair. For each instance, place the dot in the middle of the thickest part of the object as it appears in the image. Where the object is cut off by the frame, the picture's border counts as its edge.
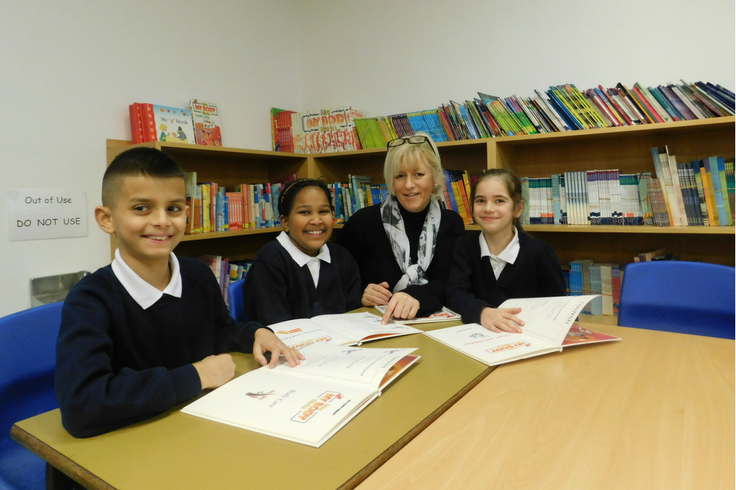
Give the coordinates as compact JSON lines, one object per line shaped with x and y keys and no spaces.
{"x":135,"y":162}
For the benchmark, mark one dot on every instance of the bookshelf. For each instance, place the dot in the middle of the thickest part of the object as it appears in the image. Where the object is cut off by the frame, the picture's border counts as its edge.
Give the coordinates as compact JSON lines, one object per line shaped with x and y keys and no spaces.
{"x":539,"y":155}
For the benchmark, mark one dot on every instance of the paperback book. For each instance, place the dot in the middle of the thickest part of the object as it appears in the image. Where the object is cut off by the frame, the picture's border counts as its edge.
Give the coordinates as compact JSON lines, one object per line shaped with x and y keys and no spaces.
{"x":308,"y":403}
{"x":207,"y":126}
{"x":444,"y":315}
{"x":340,"y":329}
{"x":548,"y":327}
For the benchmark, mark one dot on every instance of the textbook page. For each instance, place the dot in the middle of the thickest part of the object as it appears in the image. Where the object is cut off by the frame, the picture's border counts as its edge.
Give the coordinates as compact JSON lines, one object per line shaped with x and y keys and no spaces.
{"x":444,"y":315}
{"x":547,"y":322}
{"x":344,"y":363}
{"x":309,"y":403}
{"x":341,"y":329}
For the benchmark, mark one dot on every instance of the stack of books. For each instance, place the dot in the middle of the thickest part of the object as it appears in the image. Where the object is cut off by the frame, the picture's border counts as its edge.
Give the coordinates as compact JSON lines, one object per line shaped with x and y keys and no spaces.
{"x":321,"y":131}
{"x":197,"y":124}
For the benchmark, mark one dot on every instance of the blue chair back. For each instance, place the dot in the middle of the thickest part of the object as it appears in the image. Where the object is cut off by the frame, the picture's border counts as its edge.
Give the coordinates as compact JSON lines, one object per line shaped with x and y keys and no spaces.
{"x":27,"y":366}
{"x":235,"y":298}
{"x":676,"y":296}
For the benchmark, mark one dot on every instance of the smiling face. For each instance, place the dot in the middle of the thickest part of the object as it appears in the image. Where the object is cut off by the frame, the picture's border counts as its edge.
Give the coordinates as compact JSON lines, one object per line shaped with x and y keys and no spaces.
{"x":148,"y":216}
{"x":414,"y":184}
{"x":493,"y":207}
{"x":309,"y":223}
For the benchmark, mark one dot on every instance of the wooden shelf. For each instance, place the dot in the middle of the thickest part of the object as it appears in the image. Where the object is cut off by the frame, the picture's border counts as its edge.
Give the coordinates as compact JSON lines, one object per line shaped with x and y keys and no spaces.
{"x":541,"y":155}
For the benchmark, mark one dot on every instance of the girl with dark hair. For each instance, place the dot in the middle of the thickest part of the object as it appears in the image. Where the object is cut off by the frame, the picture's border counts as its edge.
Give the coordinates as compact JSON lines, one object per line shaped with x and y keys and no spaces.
{"x":502,"y":261}
{"x":301,"y":274}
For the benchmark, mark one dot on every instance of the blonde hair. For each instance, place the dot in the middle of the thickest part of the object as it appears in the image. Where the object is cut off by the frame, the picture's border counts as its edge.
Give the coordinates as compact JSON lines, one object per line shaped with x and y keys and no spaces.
{"x":412,"y":155}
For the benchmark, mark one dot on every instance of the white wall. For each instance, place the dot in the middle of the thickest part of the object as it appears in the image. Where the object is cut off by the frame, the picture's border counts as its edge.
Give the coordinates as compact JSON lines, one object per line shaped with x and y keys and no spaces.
{"x":68,"y":71}
{"x":388,"y":56}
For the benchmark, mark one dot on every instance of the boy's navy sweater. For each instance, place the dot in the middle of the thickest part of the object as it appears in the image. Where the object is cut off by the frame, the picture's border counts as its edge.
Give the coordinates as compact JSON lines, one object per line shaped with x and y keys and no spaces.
{"x":472,"y":285}
{"x":118,"y":364}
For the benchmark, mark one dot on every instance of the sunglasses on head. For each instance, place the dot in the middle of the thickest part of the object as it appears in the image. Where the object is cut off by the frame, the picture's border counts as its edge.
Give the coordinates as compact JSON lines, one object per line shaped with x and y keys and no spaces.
{"x":412,"y":140}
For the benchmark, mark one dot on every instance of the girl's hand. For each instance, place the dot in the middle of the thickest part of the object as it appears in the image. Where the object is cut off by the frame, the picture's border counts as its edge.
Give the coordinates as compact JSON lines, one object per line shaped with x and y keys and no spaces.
{"x":376,"y":294}
{"x":501,"y":319}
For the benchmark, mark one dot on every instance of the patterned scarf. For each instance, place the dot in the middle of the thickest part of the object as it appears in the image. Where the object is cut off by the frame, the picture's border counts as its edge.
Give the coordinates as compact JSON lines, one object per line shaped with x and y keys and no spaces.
{"x":394,"y":226}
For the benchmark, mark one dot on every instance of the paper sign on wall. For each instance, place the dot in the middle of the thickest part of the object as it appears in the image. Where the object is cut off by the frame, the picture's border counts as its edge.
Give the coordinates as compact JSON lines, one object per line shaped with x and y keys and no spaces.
{"x":36,"y":214}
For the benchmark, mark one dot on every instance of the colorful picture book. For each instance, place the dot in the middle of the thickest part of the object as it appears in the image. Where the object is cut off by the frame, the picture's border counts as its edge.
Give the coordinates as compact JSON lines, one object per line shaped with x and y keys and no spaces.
{"x":340,"y":329}
{"x":207,"y":125}
{"x":548,"y":323}
{"x":444,"y":315}
{"x":308,"y":403}
{"x":319,"y":131}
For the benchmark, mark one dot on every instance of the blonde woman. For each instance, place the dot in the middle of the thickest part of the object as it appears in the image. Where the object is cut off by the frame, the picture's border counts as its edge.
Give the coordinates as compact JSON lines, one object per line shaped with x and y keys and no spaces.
{"x":403,"y":246}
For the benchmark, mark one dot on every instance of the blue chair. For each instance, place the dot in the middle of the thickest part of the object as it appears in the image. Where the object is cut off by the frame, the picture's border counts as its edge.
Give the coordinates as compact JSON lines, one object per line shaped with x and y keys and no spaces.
{"x":675,"y":296}
{"x":27,"y":365}
{"x":235,"y":298}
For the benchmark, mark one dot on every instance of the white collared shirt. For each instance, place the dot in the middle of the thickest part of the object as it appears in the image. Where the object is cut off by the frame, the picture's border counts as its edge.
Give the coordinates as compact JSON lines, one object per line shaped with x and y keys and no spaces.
{"x":508,"y":256}
{"x":301,"y":258}
{"x":142,"y":292}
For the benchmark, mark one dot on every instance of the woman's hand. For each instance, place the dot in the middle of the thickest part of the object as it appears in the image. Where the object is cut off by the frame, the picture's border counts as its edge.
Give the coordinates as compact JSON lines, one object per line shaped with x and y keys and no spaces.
{"x":376,"y":294}
{"x":501,"y":319}
{"x":401,"y":306}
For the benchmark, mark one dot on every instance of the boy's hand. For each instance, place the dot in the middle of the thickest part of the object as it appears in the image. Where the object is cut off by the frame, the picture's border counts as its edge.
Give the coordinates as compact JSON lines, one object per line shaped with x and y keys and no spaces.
{"x":376,"y":294}
{"x":215,"y":371}
{"x":401,"y":306}
{"x":266,"y":340}
{"x":501,"y":319}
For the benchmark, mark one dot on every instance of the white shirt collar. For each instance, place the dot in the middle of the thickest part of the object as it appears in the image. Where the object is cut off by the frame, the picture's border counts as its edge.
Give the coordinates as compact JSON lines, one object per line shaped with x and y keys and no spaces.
{"x":507,"y":256}
{"x":300,"y":257}
{"x":142,"y":292}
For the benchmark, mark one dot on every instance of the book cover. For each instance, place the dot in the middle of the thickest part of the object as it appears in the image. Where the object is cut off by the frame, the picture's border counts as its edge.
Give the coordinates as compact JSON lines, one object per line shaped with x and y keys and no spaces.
{"x":547,"y":325}
{"x":173,"y":125}
{"x":207,"y":125}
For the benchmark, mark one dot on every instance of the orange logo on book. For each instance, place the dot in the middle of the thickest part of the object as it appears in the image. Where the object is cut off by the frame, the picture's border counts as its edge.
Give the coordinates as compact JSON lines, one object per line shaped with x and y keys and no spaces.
{"x":512,"y":346}
{"x":317,"y":405}
{"x":287,"y":332}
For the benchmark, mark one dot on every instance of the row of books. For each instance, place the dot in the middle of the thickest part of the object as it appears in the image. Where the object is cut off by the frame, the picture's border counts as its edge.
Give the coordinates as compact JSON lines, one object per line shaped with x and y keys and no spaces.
{"x":699,"y":193}
{"x":321,"y":131}
{"x":226,"y":271}
{"x":561,"y":108}
{"x":589,"y":277}
{"x":213,"y":208}
{"x":360,"y":191}
{"x":198,"y":124}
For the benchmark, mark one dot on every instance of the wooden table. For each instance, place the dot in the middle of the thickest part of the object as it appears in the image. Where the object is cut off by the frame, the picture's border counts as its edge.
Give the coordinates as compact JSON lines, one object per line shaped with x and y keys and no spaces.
{"x":654,"y":411}
{"x":179,"y":451}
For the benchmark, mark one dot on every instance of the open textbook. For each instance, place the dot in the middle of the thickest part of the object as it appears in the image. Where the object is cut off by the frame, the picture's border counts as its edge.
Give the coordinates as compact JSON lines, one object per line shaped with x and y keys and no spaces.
{"x":341,"y":329}
{"x":548,"y":327}
{"x":308,"y":403}
{"x":444,"y":315}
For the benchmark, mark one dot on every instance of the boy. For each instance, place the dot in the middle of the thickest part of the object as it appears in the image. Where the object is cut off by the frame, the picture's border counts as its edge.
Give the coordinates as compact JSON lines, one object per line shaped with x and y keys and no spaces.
{"x":150,"y":330}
